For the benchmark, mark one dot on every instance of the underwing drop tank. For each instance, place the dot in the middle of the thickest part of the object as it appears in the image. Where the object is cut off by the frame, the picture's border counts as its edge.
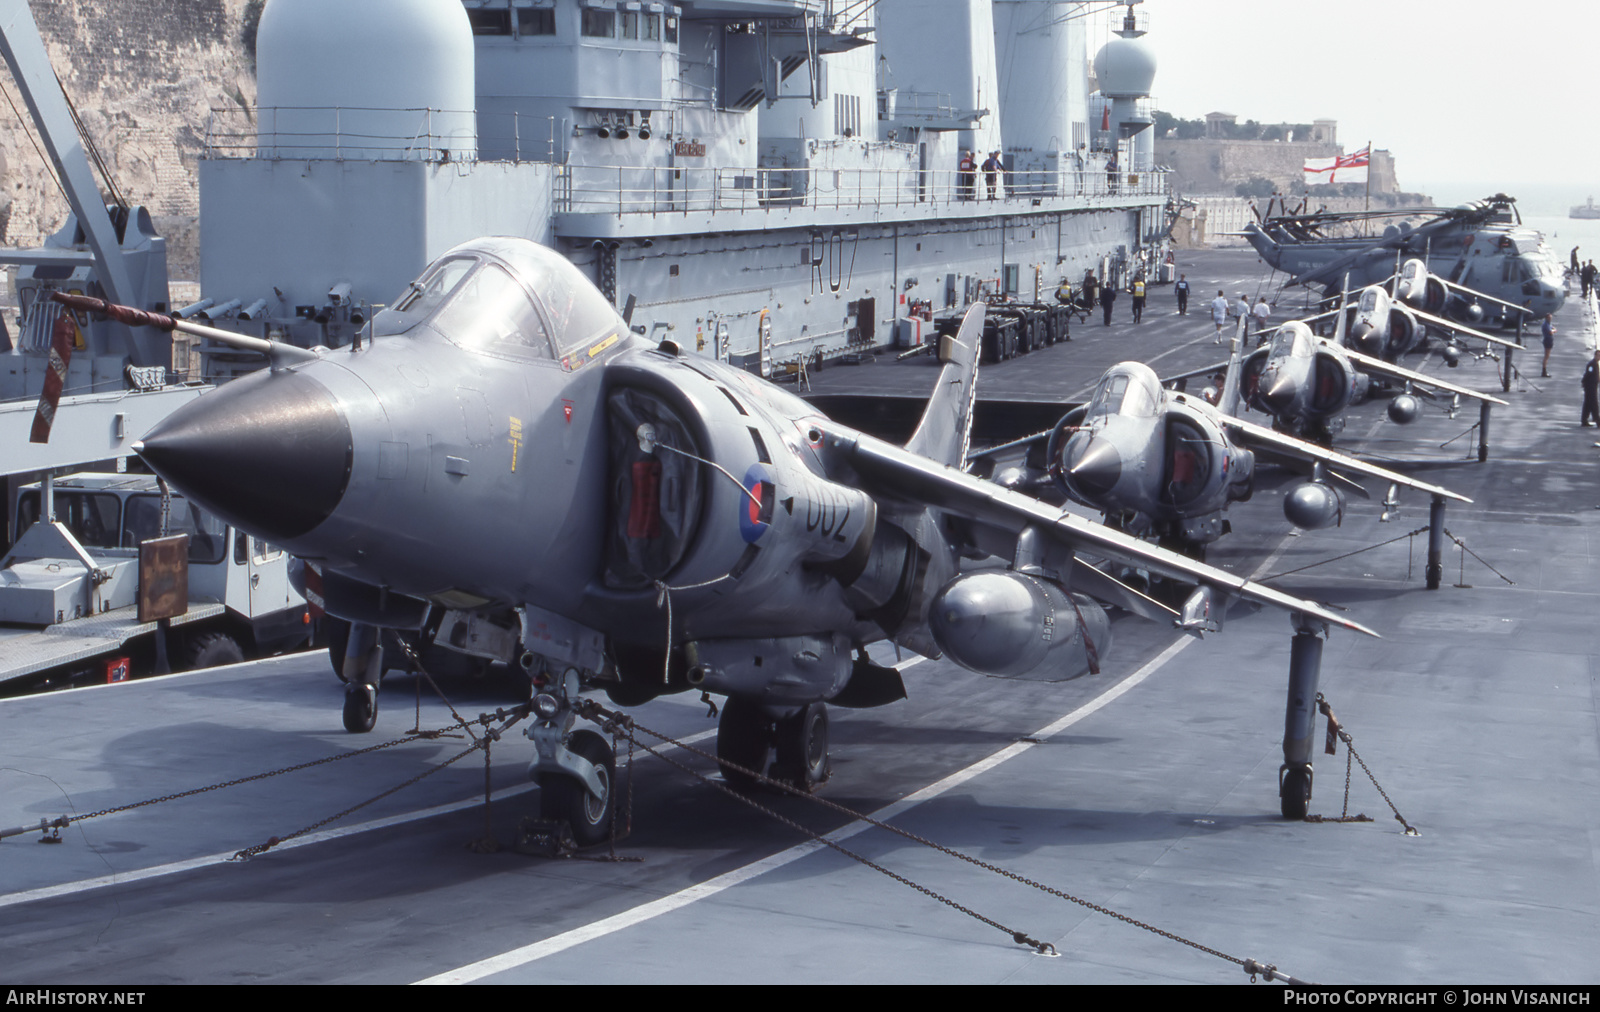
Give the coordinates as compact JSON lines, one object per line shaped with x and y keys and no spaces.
{"x":1009,"y":623}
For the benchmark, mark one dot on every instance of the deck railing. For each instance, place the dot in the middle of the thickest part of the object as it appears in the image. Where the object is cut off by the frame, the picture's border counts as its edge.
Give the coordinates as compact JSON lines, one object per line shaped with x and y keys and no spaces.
{"x":677,"y":189}
{"x":435,"y":135}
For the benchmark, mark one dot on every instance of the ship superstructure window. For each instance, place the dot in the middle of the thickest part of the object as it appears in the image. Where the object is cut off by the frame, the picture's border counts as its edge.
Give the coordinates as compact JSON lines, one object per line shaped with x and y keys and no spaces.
{"x":652,"y":27}
{"x":490,"y":22}
{"x":630,"y":25}
{"x":672,"y":29}
{"x":536,"y":21}
{"x":599,"y":24}
{"x":847,"y":115}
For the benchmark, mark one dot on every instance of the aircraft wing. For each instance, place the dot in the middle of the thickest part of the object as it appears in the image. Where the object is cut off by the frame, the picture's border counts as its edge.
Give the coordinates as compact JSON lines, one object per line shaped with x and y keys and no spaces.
{"x":1464,"y":290}
{"x":1207,"y":371}
{"x":1253,"y":435}
{"x":1439,"y":321}
{"x":1003,"y":449}
{"x":1378,"y":365}
{"x":889,"y":471}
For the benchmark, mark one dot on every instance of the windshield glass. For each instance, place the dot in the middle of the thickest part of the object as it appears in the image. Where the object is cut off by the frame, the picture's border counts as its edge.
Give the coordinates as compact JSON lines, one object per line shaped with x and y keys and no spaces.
{"x":1369,"y":300}
{"x":90,"y":516}
{"x":490,"y":311}
{"x":142,"y":521}
{"x":425,"y":294}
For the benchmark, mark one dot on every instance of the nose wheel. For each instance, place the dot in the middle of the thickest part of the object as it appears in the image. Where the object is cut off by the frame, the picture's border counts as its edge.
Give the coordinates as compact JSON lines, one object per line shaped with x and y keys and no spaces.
{"x":563,"y":797}
{"x":360,"y":707}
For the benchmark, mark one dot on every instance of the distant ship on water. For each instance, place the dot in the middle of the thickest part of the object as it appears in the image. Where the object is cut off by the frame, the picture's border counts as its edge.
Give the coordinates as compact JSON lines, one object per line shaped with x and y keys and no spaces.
{"x":1587,"y":210}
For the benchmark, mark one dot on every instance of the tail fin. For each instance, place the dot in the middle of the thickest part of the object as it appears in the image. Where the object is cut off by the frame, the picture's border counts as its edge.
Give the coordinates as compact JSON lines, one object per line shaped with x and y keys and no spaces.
{"x":1232,"y":383}
{"x":1264,"y":244}
{"x":945,"y":431}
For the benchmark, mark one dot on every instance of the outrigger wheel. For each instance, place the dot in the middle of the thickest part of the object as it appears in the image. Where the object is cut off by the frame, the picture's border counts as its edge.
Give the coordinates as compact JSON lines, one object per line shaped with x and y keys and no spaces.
{"x":566,"y":798}
{"x":1294,"y":791}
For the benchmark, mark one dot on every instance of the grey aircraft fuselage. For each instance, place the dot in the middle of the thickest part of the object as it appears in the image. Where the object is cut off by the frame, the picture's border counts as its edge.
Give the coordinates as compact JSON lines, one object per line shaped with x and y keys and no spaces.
{"x":1304,"y":382}
{"x":652,"y":521}
{"x":1155,"y":462}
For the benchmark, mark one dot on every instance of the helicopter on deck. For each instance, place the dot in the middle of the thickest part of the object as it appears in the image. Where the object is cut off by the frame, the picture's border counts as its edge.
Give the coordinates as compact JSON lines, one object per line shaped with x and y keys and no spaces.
{"x":1481,"y":245}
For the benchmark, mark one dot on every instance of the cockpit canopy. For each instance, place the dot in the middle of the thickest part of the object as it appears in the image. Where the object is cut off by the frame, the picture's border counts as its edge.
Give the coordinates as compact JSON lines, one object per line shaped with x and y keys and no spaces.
{"x":1130,"y":389}
{"x":1293,"y":340}
{"x":1369,"y":300}
{"x":509,"y":296}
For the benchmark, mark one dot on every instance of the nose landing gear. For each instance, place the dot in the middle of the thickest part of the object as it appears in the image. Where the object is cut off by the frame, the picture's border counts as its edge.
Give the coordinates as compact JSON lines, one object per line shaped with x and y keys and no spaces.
{"x":576,"y":770}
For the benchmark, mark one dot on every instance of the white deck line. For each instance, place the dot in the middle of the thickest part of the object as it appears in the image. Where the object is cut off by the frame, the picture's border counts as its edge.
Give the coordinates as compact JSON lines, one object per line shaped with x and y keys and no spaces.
{"x":534,"y":951}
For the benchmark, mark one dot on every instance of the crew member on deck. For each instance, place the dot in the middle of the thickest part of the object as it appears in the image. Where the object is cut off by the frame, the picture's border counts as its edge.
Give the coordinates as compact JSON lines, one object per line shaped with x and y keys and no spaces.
{"x":991,"y":171}
{"x":1591,"y":384}
{"x":1261,"y":311}
{"x":1182,"y":290}
{"x":967,"y":176}
{"x":1548,"y":333}
{"x":1108,"y":295}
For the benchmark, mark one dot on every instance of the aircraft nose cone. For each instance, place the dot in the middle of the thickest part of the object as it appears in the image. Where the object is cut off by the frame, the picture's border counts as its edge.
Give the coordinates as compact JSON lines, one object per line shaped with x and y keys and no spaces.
{"x":270,"y":453}
{"x":1366,"y":337}
{"x":1093,"y":467}
{"x":1278,"y":393}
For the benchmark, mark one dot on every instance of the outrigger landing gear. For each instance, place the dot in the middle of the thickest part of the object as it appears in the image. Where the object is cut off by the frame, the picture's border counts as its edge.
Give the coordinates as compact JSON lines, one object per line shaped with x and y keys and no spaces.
{"x":1435,"y":569}
{"x":575,"y":770}
{"x":1299,"y":721}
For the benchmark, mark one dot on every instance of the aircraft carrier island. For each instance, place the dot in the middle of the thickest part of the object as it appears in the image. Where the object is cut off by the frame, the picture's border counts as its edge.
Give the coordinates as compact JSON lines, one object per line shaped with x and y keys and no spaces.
{"x":675,"y":629}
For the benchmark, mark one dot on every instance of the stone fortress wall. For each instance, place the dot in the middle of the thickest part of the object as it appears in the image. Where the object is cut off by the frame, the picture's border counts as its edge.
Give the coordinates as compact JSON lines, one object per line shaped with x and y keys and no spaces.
{"x":144,"y":76}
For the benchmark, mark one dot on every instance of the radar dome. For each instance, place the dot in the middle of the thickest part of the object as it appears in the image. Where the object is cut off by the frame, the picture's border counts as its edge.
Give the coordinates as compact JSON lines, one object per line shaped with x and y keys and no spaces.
{"x":1126,"y":68}
{"x":384,"y":79}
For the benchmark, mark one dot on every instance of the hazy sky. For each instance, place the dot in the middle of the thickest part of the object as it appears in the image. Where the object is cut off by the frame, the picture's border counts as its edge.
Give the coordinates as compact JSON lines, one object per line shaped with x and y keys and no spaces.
{"x":1460,"y":90}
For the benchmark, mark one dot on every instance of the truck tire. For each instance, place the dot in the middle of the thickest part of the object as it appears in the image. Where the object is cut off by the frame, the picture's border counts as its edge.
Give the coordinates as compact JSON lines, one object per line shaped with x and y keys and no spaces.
{"x":208,"y":650}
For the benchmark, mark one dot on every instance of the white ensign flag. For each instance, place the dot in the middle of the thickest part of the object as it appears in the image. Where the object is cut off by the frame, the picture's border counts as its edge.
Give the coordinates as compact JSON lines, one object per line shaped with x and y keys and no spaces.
{"x":1350,"y":168}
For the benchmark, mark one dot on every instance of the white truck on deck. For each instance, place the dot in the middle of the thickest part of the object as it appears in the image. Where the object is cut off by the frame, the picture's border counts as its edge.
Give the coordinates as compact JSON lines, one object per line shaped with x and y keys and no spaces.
{"x":69,"y":589}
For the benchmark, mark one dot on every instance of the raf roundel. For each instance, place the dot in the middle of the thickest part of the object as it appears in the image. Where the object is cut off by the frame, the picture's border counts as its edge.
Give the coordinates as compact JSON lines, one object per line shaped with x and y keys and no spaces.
{"x":758,"y":481}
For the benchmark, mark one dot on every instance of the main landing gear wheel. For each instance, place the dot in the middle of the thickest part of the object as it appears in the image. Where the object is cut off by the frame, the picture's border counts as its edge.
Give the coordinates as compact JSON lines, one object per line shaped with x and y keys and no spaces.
{"x":1294,"y":792}
{"x":742,"y":739}
{"x":802,"y":748}
{"x":360,"y":708}
{"x":566,"y":798}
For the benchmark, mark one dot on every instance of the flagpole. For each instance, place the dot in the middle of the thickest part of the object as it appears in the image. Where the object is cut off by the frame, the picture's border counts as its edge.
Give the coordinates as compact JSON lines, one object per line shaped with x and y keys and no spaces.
{"x":1369,"y":177}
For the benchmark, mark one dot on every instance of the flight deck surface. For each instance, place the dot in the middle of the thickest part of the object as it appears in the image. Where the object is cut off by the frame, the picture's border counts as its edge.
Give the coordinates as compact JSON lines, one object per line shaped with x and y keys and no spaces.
{"x":1151,"y":788}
